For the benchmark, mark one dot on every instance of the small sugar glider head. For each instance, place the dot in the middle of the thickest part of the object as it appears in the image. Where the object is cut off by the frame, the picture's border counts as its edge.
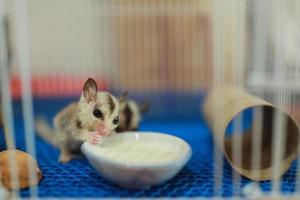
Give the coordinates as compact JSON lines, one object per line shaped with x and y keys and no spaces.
{"x":98,"y":111}
{"x":130,"y":114}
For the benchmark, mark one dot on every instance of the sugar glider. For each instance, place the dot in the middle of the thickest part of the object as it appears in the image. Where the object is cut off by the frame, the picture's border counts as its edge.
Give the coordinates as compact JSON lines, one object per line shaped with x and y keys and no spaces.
{"x":94,"y":116}
{"x":130,"y":114}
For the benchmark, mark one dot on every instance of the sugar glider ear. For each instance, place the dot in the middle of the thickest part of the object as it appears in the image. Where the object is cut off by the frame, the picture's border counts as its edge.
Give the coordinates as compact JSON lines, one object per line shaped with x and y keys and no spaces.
{"x":90,"y":90}
{"x":144,"y":107}
{"x":123,"y":98}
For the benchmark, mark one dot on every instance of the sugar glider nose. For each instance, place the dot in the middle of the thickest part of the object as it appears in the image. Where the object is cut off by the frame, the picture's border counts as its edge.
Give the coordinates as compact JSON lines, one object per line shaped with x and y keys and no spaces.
{"x":103,"y":129}
{"x":104,"y":132}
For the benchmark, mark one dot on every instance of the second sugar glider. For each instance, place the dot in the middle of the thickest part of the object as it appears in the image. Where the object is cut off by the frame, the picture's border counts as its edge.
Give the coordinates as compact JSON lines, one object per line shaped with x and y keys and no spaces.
{"x":94,"y":116}
{"x":130,"y":114}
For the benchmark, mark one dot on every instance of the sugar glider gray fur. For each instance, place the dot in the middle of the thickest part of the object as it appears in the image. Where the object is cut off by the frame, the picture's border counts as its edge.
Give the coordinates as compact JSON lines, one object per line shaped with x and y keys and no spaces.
{"x":94,"y":116}
{"x":130,"y":114}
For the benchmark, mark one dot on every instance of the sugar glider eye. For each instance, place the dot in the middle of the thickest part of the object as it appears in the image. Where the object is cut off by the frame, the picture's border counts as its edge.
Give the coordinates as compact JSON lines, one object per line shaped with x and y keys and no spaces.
{"x":116,"y":121}
{"x":97,"y":113}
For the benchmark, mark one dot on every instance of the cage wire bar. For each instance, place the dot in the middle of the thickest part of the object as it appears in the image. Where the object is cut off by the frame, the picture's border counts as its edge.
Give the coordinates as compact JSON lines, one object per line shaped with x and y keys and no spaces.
{"x":279,"y":121}
{"x":7,"y":103}
{"x":260,"y":29}
{"x":239,"y":63}
{"x":218,"y":26}
{"x":294,"y":102}
{"x":22,"y":43}
{"x":259,"y":57}
{"x":283,"y":96}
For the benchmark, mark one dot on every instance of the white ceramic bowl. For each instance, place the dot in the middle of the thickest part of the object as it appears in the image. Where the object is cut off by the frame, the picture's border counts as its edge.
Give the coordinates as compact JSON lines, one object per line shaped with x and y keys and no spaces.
{"x":138,"y":159}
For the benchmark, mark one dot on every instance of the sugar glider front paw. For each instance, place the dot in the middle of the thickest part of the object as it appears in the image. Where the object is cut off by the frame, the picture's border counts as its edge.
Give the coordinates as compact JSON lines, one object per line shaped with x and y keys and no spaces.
{"x":96,"y":138}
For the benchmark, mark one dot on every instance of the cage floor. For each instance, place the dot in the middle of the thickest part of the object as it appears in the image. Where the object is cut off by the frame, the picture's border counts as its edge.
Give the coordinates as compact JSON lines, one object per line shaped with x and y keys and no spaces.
{"x":78,"y":179}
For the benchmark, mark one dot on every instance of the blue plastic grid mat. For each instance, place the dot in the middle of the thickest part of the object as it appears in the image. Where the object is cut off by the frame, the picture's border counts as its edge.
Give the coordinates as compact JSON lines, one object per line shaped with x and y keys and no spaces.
{"x":78,"y":179}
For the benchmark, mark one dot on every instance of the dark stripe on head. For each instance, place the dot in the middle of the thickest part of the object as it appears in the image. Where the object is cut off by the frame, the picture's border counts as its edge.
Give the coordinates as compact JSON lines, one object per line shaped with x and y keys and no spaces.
{"x":111,"y":103}
{"x":78,"y":124}
{"x":128,"y":116}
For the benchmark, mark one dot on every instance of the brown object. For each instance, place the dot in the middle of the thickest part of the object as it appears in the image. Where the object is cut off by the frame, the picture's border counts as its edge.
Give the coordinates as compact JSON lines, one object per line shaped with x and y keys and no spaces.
{"x":22,"y":161}
{"x":223,"y":105}
{"x":168,"y":44}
